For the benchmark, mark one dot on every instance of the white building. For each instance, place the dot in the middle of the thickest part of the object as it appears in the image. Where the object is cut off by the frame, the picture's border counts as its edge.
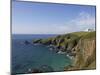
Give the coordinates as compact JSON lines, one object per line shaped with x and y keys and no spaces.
{"x":90,"y":30}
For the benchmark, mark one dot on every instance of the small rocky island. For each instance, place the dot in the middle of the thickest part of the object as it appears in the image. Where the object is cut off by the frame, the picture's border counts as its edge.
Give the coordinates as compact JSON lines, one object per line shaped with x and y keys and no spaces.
{"x":27,"y":42}
{"x":79,"y":46}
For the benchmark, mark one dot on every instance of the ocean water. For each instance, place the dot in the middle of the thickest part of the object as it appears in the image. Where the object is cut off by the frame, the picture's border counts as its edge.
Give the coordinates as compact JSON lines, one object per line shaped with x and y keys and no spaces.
{"x":30,"y":56}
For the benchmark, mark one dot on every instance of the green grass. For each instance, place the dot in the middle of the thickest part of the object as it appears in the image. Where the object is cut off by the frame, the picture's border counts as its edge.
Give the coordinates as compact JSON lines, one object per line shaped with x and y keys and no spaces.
{"x":70,"y":41}
{"x":90,"y":35}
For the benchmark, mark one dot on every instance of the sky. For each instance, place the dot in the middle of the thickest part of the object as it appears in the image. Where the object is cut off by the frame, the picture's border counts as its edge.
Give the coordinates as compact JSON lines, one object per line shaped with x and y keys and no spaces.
{"x":51,"y":18}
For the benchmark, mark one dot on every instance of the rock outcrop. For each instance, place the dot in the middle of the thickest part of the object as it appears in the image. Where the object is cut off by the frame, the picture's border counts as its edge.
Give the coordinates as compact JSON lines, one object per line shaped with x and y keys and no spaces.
{"x":85,"y":53}
{"x":79,"y":45}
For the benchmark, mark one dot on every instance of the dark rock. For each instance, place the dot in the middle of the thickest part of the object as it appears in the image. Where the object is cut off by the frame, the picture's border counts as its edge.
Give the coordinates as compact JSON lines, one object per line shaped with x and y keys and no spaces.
{"x":36,"y":71}
{"x":27,"y":42}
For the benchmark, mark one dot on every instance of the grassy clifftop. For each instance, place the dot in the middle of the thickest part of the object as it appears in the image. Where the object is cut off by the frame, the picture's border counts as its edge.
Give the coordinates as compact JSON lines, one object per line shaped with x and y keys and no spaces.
{"x":79,"y":45}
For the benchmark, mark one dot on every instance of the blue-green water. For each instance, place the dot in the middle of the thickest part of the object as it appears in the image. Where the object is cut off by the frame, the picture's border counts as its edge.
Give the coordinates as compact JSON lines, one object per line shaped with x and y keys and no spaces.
{"x":25,"y":57}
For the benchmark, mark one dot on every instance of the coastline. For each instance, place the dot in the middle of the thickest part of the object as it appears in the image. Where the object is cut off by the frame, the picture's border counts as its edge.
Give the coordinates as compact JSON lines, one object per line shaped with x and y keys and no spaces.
{"x":71,"y":45}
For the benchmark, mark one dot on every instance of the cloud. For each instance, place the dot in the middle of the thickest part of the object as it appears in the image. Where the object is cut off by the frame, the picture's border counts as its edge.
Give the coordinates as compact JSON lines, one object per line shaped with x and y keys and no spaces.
{"x":81,"y":22}
{"x":84,"y":19}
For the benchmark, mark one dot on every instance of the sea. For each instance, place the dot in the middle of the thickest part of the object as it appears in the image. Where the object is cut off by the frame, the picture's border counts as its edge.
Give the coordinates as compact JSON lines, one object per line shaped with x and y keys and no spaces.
{"x":27,"y":57}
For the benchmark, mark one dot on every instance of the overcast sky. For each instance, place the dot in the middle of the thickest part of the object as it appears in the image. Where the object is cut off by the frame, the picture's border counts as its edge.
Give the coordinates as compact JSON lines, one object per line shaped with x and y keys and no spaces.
{"x":46,"y":18}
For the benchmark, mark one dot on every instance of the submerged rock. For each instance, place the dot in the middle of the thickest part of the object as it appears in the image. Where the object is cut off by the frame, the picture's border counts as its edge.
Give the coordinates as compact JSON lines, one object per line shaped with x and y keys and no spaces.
{"x":36,"y":71}
{"x":27,"y":42}
{"x":46,"y":68}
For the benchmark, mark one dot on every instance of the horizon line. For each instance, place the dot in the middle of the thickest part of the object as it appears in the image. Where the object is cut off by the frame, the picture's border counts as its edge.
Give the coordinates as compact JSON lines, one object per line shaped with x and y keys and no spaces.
{"x":45,"y":33}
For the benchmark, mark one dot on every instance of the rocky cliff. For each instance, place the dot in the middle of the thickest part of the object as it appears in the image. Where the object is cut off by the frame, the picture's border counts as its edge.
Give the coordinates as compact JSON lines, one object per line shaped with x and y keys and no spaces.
{"x":80,"y":46}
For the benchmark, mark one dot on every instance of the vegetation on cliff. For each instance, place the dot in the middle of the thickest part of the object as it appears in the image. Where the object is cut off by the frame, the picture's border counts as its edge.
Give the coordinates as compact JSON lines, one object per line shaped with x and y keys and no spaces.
{"x":79,"y":45}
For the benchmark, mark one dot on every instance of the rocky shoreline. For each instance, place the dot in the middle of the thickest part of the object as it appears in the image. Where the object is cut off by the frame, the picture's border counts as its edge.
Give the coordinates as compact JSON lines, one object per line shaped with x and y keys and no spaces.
{"x":58,"y":50}
{"x":78,"y":46}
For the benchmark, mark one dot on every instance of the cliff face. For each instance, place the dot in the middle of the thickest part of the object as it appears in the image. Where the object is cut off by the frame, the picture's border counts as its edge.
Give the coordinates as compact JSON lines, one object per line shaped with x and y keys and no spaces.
{"x":85,"y":53}
{"x":79,"y":45}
